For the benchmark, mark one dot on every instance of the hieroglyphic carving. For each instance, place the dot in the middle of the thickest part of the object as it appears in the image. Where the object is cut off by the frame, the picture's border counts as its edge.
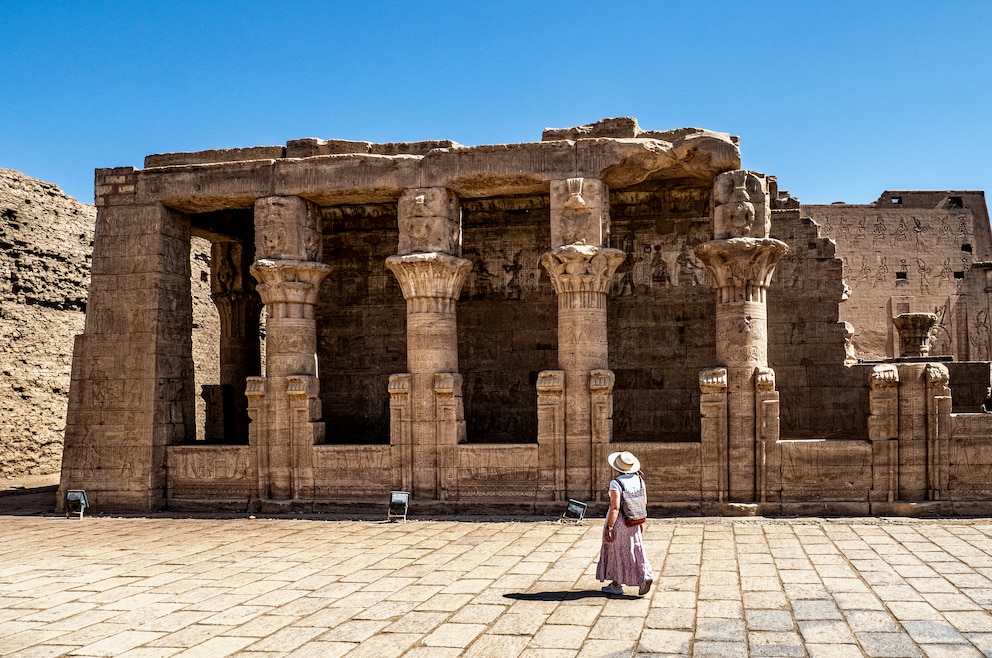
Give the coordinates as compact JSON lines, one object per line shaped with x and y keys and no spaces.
{"x":825,"y":470}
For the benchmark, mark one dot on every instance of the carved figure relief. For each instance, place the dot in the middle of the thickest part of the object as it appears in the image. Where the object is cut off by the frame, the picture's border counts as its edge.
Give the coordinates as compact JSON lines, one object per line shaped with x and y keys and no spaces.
{"x":740,"y":205}
{"x":944,"y":276}
{"x":575,"y":215}
{"x":865,"y":271}
{"x":659,"y":268}
{"x":902,"y":232}
{"x":882,"y":272}
{"x":691,"y":271}
{"x":940,"y":337}
{"x":878,"y":232}
{"x":919,"y":229}
{"x":963,"y":231}
{"x":924,"y":271}
{"x":862,"y":232}
{"x":980,"y":337}
{"x":944,"y":232}
{"x":579,"y":212}
{"x":429,"y":221}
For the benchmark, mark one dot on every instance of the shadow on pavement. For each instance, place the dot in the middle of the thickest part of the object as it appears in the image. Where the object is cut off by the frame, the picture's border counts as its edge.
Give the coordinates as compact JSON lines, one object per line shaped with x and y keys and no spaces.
{"x":563,"y":595}
{"x":35,"y":501}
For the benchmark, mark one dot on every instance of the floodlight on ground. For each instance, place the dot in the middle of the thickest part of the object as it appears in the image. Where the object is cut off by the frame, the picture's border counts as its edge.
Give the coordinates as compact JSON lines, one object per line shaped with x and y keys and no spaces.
{"x":75,"y":502}
{"x":399,"y":504}
{"x":574,"y":512}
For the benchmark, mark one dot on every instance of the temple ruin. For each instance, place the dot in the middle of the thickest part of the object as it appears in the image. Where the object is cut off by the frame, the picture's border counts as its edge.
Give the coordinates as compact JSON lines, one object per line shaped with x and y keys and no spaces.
{"x":480,"y":326}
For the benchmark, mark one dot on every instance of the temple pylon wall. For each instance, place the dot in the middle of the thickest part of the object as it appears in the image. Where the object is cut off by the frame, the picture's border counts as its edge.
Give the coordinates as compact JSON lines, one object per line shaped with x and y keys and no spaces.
{"x":482,"y":326}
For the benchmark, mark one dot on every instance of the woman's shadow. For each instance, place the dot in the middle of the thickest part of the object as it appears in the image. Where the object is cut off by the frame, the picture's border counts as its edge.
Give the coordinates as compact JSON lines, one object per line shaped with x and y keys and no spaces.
{"x":569,"y":595}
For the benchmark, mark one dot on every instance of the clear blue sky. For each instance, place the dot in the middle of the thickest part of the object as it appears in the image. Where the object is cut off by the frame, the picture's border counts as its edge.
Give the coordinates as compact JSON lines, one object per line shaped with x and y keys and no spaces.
{"x":840,"y":99}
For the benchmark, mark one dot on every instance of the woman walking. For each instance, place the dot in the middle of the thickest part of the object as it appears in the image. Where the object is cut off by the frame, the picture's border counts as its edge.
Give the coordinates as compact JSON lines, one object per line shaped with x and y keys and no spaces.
{"x":621,"y":559}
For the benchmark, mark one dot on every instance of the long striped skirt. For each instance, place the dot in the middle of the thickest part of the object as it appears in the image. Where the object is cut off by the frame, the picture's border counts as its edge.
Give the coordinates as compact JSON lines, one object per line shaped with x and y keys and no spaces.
{"x":624,"y":561}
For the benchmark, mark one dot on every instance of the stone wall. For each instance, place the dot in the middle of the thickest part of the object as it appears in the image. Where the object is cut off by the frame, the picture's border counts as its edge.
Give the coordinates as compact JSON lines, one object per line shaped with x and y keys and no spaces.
{"x":914,"y":252}
{"x":821,"y":398}
{"x":362,"y":323}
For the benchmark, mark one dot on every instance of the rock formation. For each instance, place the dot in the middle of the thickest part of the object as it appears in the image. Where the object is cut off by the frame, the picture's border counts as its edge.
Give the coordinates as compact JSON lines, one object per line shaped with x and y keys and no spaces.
{"x":46,"y":243}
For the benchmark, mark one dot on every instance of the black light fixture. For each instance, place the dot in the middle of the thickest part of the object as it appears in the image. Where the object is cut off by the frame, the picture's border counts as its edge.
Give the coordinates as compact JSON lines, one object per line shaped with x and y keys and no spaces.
{"x":399,"y":504}
{"x":574,"y":512}
{"x":75,"y":501}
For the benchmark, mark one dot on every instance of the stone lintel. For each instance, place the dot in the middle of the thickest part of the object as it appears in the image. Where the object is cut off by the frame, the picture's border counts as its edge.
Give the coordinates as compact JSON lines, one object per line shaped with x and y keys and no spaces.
{"x":214,"y":156}
{"x":470,"y":172}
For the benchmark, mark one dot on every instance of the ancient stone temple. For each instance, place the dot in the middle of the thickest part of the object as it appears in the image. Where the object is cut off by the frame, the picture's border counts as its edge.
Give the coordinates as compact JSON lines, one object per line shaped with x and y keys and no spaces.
{"x":480,"y":326}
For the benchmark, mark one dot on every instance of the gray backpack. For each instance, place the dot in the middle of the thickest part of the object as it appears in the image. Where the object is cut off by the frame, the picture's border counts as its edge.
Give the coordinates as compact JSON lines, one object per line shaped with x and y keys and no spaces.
{"x":634,"y":507}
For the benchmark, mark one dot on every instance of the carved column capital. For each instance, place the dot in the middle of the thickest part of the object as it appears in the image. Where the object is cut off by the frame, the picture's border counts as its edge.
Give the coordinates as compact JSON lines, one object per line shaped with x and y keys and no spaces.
{"x":713,"y":380}
{"x":914,"y":331}
{"x":601,"y":381}
{"x":937,"y":375}
{"x":582,"y":274}
{"x":741,"y":268}
{"x":550,"y":385}
{"x":764,"y":379}
{"x":884,"y":376}
{"x":289,"y":287}
{"x":431,"y":282}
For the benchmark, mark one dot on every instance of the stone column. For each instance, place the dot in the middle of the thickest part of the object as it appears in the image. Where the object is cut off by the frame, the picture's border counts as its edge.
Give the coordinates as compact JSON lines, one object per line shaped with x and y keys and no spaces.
{"x":581,"y":270}
{"x":430,"y":272}
{"x":883,"y":432}
{"x":741,"y":260}
{"x":938,"y":431}
{"x":551,"y":431}
{"x":713,"y":435}
{"x":287,"y":243}
{"x":239,"y":307}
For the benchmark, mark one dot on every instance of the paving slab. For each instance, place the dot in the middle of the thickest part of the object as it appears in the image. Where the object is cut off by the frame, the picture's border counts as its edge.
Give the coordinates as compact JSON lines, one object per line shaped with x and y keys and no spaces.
{"x":160,"y":585}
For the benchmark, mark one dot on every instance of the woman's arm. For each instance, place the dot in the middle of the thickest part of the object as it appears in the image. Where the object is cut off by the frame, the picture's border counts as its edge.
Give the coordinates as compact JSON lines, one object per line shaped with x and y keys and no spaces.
{"x":611,"y":516}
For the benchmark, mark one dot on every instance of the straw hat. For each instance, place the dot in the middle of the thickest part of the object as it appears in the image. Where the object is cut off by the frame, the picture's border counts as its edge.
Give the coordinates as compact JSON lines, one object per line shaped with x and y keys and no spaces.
{"x":624,"y":462}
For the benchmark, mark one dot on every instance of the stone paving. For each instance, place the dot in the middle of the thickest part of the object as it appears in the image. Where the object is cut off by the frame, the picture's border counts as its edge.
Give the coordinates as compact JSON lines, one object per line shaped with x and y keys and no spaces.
{"x":155,"y":586}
